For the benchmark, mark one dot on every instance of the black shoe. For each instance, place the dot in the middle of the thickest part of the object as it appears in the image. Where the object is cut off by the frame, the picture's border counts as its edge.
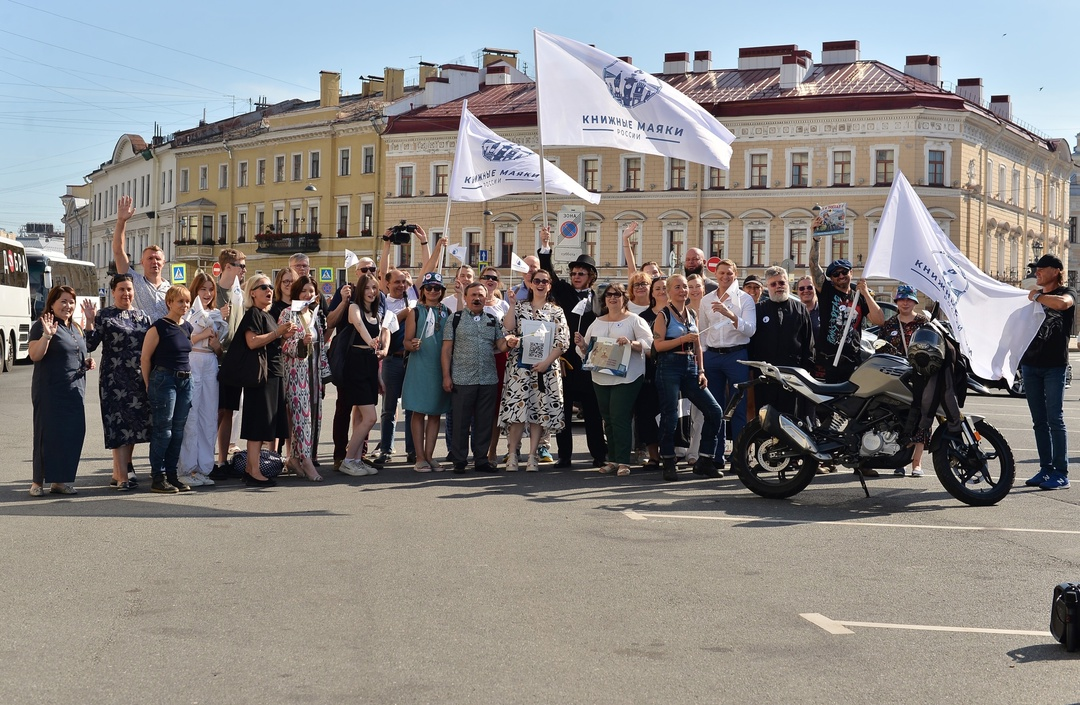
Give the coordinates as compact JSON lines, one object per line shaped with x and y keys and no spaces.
{"x":219,"y":474}
{"x":564,"y":463}
{"x":181,"y":486}
{"x":411,"y":458}
{"x":382,"y":459}
{"x":706,"y":468}
{"x":125,"y":486}
{"x":459,"y":468}
{"x":162,"y":486}
{"x":670,"y":473}
{"x":253,"y":482}
{"x":131,"y":475}
{"x":485,"y":466}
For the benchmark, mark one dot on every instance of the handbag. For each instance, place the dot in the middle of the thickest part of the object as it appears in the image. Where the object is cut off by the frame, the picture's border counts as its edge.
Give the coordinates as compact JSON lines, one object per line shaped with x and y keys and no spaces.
{"x":270,"y":463}
{"x":339,"y":351}
{"x":242,"y":366}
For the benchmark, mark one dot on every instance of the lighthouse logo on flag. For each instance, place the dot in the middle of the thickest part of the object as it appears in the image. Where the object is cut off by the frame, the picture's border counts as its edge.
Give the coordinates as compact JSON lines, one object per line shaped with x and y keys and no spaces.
{"x":630,"y":86}
{"x":496,"y":151}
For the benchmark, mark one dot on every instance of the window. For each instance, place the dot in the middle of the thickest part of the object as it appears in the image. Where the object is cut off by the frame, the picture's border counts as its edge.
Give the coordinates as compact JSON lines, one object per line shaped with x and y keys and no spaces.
{"x":1001,"y":183}
{"x":208,"y":230}
{"x":883,"y":167}
{"x":184,"y":185}
{"x":1014,"y":196}
{"x":242,"y":175}
{"x":314,"y":169}
{"x":260,"y":172}
{"x":312,"y":219}
{"x":279,"y":169}
{"x":405,"y":181}
{"x":260,"y":221}
{"x":472,"y":243}
{"x":631,"y":173}
{"x":677,"y":174}
{"x":841,"y":247}
{"x":935,"y":167}
{"x":590,"y":174}
{"x":295,"y":220}
{"x":369,"y":160}
{"x":204,"y":178}
{"x":279,"y":220}
{"x":223,"y":229}
{"x":717,"y":179}
{"x":757,"y":248}
{"x":366,"y":217}
{"x":505,"y":240}
{"x":715,"y":243}
{"x":798,"y":246}
{"x":344,"y":155}
{"x":223,"y":176}
{"x":1072,"y":230}
{"x":297,"y":167}
{"x":800,"y":169}
{"x":343,"y":218}
{"x":440,"y":182}
{"x":759,"y":171}
{"x":1037,"y":205}
{"x":592,"y":239}
{"x":241,"y":227}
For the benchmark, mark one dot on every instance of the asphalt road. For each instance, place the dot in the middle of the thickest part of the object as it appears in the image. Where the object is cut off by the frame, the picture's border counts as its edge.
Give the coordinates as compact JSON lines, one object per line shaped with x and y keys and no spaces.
{"x":557,"y":587}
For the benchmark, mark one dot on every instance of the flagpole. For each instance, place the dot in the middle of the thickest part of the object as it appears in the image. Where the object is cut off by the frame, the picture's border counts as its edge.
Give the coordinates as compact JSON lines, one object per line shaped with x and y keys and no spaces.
{"x":847,"y":327}
{"x":445,"y":234}
{"x":540,"y":137}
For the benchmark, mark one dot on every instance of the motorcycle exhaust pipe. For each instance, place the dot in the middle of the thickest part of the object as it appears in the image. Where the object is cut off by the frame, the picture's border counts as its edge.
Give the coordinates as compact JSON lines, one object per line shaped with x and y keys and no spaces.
{"x":786,"y":428}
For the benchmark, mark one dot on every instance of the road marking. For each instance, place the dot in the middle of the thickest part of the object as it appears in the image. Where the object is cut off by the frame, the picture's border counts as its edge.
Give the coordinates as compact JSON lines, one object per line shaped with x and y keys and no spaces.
{"x":834,"y":626}
{"x":641,"y":516}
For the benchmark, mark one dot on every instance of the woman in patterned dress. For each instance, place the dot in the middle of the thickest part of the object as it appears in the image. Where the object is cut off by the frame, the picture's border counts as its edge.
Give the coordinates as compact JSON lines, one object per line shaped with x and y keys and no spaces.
{"x":533,"y":395}
{"x":125,"y":412}
{"x":303,"y":381}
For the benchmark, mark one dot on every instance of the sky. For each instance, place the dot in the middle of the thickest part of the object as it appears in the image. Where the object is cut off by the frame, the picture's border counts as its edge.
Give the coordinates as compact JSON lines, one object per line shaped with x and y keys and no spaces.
{"x":75,"y":76}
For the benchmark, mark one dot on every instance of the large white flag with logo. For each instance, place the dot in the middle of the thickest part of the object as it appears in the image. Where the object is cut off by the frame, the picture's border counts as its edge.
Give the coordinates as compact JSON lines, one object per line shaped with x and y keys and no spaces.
{"x":992,"y":321}
{"x":588,"y":97}
{"x":487,"y":166}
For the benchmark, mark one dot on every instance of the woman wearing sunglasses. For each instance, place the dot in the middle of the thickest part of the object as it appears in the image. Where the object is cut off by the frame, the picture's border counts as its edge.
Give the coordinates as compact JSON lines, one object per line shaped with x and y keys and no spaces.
{"x":424,"y":327}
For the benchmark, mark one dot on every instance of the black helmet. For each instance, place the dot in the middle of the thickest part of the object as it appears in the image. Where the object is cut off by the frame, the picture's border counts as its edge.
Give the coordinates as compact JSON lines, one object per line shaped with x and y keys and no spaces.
{"x":926,"y":351}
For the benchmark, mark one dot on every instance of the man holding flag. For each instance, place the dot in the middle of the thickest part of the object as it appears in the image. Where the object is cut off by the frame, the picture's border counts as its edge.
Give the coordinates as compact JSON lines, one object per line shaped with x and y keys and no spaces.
{"x":841,"y":317}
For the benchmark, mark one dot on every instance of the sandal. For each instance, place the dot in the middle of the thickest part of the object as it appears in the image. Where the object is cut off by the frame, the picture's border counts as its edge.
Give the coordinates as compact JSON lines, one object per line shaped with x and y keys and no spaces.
{"x":37,"y":491}
{"x":423,"y":466}
{"x":608,"y":468}
{"x":60,"y":488}
{"x":623,"y":471}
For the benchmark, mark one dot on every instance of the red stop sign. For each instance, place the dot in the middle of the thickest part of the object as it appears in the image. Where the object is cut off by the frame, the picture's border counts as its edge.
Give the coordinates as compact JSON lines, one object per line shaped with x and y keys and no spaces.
{"x":712,"y":264}
{"x":216,"y":269}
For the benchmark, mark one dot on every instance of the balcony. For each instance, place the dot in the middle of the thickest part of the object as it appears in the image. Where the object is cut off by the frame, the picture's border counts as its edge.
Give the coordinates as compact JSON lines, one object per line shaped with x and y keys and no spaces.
{"x":191,"y":251}
{"x":287,"y":244}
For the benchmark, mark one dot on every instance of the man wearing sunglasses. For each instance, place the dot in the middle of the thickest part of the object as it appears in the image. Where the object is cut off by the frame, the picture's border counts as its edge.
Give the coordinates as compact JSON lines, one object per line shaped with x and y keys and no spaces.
{"x":577,"y":384}
{"x":783,"y":336}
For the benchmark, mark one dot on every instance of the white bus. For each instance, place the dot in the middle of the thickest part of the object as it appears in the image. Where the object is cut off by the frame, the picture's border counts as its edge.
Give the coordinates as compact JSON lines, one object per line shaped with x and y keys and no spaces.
{"x":48,"y":268}
{"x":15,"y":310}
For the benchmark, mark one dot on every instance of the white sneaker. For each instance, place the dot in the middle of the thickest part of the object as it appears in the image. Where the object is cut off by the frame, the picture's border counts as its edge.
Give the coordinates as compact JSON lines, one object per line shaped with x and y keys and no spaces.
{"x":371,"y":469}
{"x":203,"y":479}
{"x":511,"y":462}
{"x":916,"y":472}
{"x":353,"y":467}
{"x":192,"y":480}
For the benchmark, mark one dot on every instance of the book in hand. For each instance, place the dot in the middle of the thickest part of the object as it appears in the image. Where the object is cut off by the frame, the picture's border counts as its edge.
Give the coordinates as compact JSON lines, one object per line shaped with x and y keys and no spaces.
{"x":607,"y":357}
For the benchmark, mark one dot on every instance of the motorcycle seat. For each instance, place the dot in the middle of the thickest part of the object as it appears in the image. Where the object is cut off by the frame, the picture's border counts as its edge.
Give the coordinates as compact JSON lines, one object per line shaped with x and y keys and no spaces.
{"x":818,"y":387}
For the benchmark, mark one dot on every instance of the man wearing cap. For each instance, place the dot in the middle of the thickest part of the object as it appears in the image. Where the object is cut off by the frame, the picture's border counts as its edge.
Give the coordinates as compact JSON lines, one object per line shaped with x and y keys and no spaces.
{"x":577,"y":385}
{"x":835,"y":297}
{"x":1043,"y":367}
{"x":752,"y":286}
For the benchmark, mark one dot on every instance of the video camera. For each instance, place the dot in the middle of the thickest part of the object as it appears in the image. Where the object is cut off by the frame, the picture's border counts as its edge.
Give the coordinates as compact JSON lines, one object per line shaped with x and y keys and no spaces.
{"x":399,"y":234}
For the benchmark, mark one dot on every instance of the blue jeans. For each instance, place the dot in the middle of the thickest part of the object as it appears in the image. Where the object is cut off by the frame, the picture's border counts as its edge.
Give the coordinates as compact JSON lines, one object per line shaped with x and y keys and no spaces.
{"x":679,"y":373}
{"x":1045,"y":390}
{"x":170,"y":401}
{"x":393,"y":377}
{"x":724,"y":371}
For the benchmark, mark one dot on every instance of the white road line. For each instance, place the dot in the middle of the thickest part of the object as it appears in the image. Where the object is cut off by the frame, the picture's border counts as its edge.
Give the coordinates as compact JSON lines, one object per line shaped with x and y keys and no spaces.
{"x":641,"y":516}
{"x":840,"y":627}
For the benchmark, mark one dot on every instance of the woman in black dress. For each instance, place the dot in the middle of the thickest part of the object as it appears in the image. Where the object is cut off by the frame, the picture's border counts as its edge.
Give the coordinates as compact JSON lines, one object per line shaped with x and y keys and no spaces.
{"x":58,"y":390}
{"x":125,"y":413}
{"x":264,"y":418}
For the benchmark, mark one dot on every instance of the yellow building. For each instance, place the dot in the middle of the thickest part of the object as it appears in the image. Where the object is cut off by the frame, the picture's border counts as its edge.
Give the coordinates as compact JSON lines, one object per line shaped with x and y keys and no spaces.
{"x":808,"y":133}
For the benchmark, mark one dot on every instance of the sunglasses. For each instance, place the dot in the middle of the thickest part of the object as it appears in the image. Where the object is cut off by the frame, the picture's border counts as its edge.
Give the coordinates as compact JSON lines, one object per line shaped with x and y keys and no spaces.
{"x":368,"y":270}
{"x":490,"y":278}
{"x":613,"y":295}
{"x":264,"y":287}
{"x":579,"y":274}
{"x":844,"y":273}
{"x":806,"y":288}
{"x":240,"y":265}
{"x":432,"y":287}
{"x":541,"y":282}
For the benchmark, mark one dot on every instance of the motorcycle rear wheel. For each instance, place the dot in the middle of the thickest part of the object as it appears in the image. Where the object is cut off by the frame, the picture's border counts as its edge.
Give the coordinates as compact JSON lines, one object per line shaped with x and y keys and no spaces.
{"x":980,"y":483}
{"x":767,"y":466}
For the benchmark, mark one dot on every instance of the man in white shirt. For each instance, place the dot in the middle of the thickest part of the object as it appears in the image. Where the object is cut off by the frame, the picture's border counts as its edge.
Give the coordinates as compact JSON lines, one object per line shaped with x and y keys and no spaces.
{"x":727,"y":320}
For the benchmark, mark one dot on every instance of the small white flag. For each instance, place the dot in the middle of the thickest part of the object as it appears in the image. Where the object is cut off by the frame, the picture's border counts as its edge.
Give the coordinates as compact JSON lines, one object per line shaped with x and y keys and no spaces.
{"x":390,"y":322}
{"x":517,"y":264}
{"x":590,"y":98}
{"x":429,"y":324}
{"x":351,"y":260}
{"x":236,"y":297}
{"x":198,"y":313}
{"x":460,"y":252}
{"x":540,"y":332}
{"x":487,"y":166}
{"x":582,"y":306}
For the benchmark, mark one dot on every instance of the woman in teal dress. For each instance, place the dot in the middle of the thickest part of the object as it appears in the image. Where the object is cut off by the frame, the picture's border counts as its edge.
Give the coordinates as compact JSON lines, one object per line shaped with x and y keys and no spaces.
{"x":422,"y":392}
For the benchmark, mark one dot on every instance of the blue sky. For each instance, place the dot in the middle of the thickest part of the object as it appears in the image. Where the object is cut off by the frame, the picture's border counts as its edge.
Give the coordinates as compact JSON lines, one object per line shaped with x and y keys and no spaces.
{"x":74,"y":76}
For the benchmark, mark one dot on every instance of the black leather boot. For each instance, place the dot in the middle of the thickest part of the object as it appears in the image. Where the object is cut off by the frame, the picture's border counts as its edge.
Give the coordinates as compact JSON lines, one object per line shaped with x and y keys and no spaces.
{"x":670,"y":473}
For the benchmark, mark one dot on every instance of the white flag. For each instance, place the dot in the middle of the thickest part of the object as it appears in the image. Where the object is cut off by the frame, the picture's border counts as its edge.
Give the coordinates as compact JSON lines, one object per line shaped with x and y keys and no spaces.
{"x":992,"y":321}
{"x":351,"y":260}
{"x":517,"y":264}
{"x":487,"y":166}
{"x":198,"y":313}
{"x":588,"y":97}
{"x":582,"y":306}
{"x":460,"y":252}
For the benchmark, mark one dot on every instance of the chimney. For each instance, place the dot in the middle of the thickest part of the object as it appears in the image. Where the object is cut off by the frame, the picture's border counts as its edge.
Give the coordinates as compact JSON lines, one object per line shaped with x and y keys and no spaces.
{"x":702,"y":61}
{"x":970,"y":89}
{"x":329,"y":89}
{"x":1001,"y":105}
{"x":394,"y":84}
{"x":770,"y":57}
{"x":627,"y":59}
{"x":846,"y":52}
{"x":427,"y":70}
{"x":925,"y":68}
{"x":493,"y":55}
{"x":370,"y":85}
{"x":677,"y":62}
{"x":454,"y":81}
{"x":497,"y":76}
{"x":793,"y":70}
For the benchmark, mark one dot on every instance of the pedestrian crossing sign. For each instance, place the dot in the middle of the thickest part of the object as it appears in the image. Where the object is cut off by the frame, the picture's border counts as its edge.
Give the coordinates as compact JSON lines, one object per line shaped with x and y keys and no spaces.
{"x":326,"y":274}
{"x":179,"y":273}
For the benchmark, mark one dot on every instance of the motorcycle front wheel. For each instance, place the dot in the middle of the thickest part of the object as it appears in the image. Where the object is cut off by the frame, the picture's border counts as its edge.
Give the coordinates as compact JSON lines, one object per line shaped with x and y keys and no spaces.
{"x":978,"y":475}
{"x":768,"y":466}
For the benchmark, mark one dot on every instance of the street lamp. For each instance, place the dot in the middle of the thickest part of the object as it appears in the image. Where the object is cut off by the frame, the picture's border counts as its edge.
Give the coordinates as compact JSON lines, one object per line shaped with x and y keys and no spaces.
{"x":1036,"y":250}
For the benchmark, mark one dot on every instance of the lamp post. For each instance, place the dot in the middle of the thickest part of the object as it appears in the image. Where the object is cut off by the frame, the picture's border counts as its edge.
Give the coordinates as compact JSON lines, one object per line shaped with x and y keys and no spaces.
{"x":1036,"y":250}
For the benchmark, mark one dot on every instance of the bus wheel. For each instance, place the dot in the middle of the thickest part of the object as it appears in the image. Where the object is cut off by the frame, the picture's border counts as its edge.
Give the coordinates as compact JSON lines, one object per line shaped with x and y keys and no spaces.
{"x":7,"y":350}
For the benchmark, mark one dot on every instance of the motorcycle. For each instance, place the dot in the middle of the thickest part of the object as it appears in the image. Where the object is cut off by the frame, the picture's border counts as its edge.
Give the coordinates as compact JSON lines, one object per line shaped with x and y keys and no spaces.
{"x":861,"y":424}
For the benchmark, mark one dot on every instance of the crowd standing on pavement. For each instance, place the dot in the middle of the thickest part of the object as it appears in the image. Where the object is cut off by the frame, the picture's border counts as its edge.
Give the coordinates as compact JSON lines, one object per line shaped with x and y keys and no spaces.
{"x":194,"y":371}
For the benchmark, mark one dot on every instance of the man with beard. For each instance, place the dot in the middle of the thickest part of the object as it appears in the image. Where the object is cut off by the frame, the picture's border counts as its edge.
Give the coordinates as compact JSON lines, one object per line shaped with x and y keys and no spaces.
{"x":808,"y":295}
{"x":694,"y":263}
{"x":784,"y":336}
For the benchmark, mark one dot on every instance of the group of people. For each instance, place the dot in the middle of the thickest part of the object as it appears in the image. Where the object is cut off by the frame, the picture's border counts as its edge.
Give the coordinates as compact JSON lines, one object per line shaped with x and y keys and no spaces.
{"x":179,"y":365}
